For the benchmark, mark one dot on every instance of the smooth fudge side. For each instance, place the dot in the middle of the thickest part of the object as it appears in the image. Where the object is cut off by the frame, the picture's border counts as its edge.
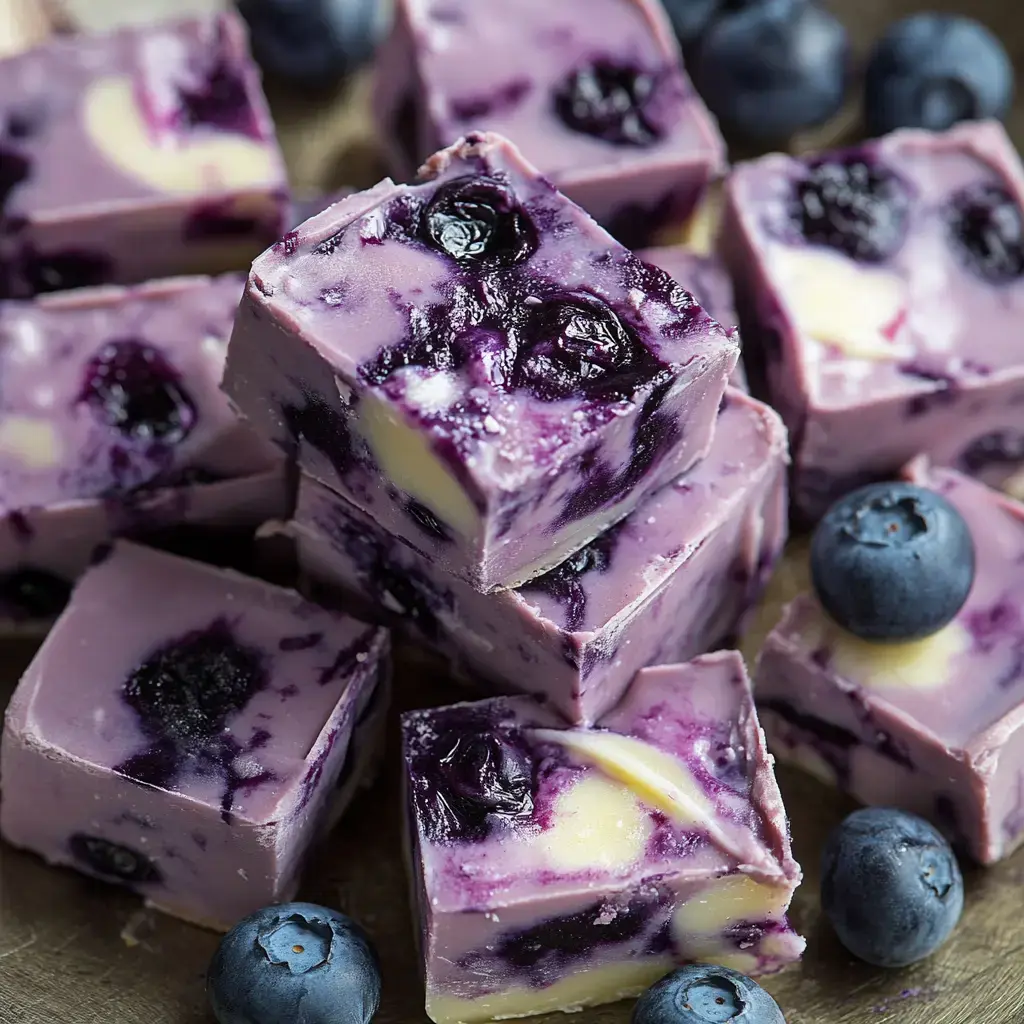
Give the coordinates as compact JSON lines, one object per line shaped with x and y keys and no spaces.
{"x":863,"y":278}
{"x":134,"y":155}
{"x":474,"y":363}
{"x":197,"y":759}
{"x":522,"y":910}
{"x":671,"y":581}
{"x":935,"y":726}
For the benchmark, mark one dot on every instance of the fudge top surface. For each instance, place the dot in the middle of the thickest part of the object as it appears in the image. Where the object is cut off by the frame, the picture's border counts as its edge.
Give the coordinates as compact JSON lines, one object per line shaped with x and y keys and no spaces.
{"x":92,"y":122}
{"x":964,"y":680}
{"x":889,"y":260}
{"x":486,"y":306}
{"x":218,"y":692}
{"x":531,"y":71}
{"x":107,"y":390}
{"x":705,"y":276}
{"x":510,"y":804}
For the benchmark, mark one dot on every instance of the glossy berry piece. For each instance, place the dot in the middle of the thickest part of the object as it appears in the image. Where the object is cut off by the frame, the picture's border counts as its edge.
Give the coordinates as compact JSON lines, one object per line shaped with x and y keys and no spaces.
{"x":294,"y":962}
{"x":891,"y":886}
{"x":986,"y":231}
{"x":113,"y":861}
{"x":771,"y":69}
{"x":131,"y":387}
{"x":705,"y":994}
{"x":892,"y":562}
{"x":609,"y":100}
{"x":314,"y":42}
{"x":851,"y":204}
{"x":479,"y":222}
{"x":933,"y":70}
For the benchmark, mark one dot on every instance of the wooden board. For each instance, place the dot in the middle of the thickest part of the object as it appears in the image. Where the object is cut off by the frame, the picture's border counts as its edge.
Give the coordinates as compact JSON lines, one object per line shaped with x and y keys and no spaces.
{"x":76,"y":952}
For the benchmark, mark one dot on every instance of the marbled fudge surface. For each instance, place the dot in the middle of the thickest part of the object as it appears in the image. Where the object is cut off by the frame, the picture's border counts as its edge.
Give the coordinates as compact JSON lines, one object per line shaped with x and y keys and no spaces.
{"x":556,"y":868}
{"x":934,"y":725}
{"x":476,"y":364}
{"x":671,"y":581}
{"x":193,"y":759}
{"x":133,"y":155}
{"x":592,"y":91}
{"x":864,"y":278}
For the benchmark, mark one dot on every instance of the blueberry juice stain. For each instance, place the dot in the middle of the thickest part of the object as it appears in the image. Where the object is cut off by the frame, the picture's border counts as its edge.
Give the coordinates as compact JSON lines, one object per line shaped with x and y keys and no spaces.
{"x":183,"y":695}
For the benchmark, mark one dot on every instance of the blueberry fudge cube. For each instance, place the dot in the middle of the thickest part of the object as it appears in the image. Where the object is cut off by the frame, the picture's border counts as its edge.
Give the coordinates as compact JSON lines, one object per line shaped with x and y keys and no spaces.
{"x":704,"y":275}
{"x":555,"y":868}
{"x":673,"y":580}
{"x":195,"y":759}
{"x":135,"y":155}
{"x":935,"y":725}
{"x":477,"y":365}
{"x":863,"y":278}
{"x":593,"y":91}
{"x":112,"y":422}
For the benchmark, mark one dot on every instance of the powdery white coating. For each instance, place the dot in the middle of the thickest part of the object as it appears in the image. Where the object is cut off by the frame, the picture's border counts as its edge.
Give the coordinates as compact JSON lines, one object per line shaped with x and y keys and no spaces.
{"x":934,"y":726}
{"x":221,"y":836}
{"x":671,"y":581}
{"x":111,"y":161}
{"x":914,"y":378}
{"x":513,"y":482}
{"x":607,"y":879}
{"x":463,"y":65}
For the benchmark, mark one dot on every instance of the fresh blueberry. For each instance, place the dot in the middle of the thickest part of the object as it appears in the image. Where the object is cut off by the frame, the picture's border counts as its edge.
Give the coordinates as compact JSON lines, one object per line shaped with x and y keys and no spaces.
{"x":294,"y":962}
{"x":704,"y":994}
{"x":891,"y":886}
{"x":774,"y":68}
{"x":692,"y":18}
{"x":892,"y":561}
{"x":609,"y":101}
{"x":933,"y":70}
{"x":986,"y":230}
{"x":852,"y":204}
{"x":314,"y":42}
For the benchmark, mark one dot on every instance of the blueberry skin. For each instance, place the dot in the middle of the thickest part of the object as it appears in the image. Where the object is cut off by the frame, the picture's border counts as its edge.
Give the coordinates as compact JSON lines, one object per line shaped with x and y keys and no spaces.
{"x":692,"y":18}
{"x":892,"y":562}
{"x":773,"y":68}
{"x":704,"y":994}
{"x":314,"y":42}
{"x":933,"y":70}
{"x":891,"y":886}
{"x":294,"y":962}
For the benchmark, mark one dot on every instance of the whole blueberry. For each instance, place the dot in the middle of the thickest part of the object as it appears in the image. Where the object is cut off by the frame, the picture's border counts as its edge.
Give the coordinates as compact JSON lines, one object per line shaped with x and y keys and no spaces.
{"x":692,"y":18}
{"x":314,"y":42}
{"x":891,"y":886}
{"x":892,"y":561}
{"x":704,"y":994}
{"x":933,"y":70}
{"x":294,"y":962}
{"x":773,"y":68}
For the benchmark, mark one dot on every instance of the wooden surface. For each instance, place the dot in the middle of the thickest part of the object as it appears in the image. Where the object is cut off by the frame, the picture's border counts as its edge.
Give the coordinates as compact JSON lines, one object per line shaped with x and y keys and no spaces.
{"x":76,"y":952}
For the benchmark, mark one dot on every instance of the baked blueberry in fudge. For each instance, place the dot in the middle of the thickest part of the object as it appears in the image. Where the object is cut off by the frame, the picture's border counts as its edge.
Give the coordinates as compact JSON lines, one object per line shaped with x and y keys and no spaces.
{"x":592,"y":91}
{"x":863,"y":280}
{"x":477,"y":365}
{"x":555,"y":868}
{"x":134,"y":155}
{"x":674,"y":579}
{"x":919,"y":706}
{"x":112,"y":422}
{"x":197,"y":758}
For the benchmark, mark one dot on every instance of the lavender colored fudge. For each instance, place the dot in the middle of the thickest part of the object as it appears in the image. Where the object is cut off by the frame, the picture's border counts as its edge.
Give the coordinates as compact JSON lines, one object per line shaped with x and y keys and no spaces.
{"x":558,"y":868}
{"x":112,"y":422}
{"x":135,"y":155}
{"x":706,"y":278}
{"x":863,"y":280}
{"x":935,"y":726}
{"x":671,"y":581}
{"x":478,"y":366}
{"x":195,"y":759}
{"x":592,"y":91}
